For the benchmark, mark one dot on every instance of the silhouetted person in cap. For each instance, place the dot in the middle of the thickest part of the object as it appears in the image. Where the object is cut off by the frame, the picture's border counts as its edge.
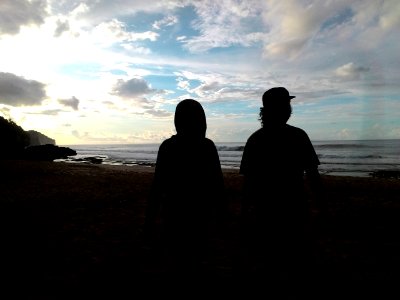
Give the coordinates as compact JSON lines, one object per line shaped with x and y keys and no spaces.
{"x":275,"y":160}
{"x":187,"y":189}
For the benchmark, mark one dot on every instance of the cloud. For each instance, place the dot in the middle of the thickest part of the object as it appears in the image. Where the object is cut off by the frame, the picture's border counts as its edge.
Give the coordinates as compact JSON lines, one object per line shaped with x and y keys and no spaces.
{"x":132,"y":88}
{"x":109,"y":104}
{"x":16,"y":13}
{"x":167,"y":21}
{"x":293,"y":25}
{"x":62,"y":26}
{"x":73,"y":102}
{"x":114,"y":31}
{"x":209,"y":87}
{"x":76,"y":133}
{"x":322,"y":92}
{"x":329,"y":28}
{"x":390,"y":17}
{"x":49,"y":112}
{"x":98,"y":137}
{"x":136,"y":49}
{"x":182,"y":84}
{"x":385,"y":14}
{"x":350,"y":71}
{"x":218,"y":87}
{"x":289,"y":47}
{"x":225,"y":23}
{"x":100,"y":10}
{"x":325,"y":52}
{"x":107,"y":138}
{"x":18,"y":91}
{"x":159,"y":113}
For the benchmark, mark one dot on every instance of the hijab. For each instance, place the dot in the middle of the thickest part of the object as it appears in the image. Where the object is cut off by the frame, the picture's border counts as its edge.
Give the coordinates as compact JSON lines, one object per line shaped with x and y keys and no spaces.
{"x":190,"y":119}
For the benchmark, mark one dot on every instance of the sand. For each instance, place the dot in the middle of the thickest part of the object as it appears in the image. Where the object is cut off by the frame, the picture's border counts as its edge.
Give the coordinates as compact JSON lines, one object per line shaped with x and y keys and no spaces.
{"x":68,"y":225}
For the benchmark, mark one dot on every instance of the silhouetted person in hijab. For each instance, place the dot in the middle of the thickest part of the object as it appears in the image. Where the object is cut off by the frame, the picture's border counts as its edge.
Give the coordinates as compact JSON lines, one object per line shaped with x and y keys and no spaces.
{"x":188,"y":189}
{"x":275,"y":161}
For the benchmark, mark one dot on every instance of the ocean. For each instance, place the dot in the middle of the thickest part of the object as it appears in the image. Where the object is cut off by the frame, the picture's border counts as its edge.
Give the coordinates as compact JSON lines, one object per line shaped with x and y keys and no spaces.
{"x":358,"y":158}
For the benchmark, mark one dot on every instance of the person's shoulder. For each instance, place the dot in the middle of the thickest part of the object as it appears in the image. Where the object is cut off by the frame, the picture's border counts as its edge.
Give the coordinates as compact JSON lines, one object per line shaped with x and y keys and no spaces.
{"x":296,"y":130}
{"x":259,"y":133}
{"x":299,"y":135}
{"x":209,"y":143}
{"x":168,"y":142}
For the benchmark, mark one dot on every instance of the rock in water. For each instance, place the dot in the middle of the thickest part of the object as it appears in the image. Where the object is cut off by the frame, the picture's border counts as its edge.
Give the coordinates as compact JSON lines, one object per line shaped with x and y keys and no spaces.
{"x":47,"y":152}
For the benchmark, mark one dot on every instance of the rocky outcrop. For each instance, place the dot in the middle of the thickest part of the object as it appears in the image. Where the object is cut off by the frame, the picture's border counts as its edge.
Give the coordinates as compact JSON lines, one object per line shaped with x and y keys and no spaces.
{"x":38,"y":139}
{"x":33,"y":145}
{"x":47,"y":152}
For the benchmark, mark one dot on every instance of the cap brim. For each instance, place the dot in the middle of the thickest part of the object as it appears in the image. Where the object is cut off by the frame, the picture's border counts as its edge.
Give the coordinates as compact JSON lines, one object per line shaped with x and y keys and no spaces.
{"x":291,"y":97}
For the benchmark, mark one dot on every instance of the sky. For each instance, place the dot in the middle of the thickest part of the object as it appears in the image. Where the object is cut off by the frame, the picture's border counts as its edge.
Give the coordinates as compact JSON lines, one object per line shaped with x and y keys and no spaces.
{"x":112,"y":71}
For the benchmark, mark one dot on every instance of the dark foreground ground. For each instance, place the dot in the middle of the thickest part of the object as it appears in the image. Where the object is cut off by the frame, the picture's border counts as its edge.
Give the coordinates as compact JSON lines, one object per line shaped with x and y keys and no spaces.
{"x":67,"y":226}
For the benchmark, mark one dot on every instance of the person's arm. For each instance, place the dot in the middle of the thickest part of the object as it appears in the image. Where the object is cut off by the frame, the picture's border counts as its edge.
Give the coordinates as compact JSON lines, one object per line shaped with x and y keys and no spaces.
{"x":248,"y":182}
{"x":221,"y":205}
{"x":155,"y":196}
{"x":313,"y":179}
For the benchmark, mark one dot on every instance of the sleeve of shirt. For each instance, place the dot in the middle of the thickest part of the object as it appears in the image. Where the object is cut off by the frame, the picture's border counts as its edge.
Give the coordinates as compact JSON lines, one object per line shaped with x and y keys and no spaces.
{"x":311,"y":157}
{"x":215,"y":165}
{"x":154,"y":198}
{"x":160,"y":167}
{"x":244,"y":164}
{"x":221,"y":205}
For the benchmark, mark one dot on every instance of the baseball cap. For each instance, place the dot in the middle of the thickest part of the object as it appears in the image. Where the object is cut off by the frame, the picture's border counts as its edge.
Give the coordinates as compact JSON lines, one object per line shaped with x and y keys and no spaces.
{"x":276,"y":93}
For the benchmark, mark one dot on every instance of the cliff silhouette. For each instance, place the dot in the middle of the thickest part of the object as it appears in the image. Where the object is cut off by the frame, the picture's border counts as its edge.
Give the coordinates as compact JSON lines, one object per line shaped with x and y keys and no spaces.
{"x":37,"y":139}
{"x":32,"y":145}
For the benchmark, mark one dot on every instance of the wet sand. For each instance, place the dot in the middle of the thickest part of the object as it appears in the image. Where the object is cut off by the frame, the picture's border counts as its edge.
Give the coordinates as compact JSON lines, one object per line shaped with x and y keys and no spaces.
{"x":69,"y":225}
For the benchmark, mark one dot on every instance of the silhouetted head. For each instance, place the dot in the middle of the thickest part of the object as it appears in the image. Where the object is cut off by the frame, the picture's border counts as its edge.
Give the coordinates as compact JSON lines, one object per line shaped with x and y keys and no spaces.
{"x":190,"y":119}
{"x":276,"y":108}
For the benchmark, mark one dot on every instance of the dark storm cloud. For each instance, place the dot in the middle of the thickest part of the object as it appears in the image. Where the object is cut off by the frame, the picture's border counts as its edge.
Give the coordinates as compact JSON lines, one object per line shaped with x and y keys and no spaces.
{"x":18,"y":91}
{"x":16,"y":13}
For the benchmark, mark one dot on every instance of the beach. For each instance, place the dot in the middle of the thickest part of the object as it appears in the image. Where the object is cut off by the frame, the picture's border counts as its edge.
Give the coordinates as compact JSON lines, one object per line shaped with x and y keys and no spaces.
{"x":68,"y":224}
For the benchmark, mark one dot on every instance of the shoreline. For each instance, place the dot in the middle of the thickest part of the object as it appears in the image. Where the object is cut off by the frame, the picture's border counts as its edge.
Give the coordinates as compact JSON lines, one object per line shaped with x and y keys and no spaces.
{"x":358,"y":158}
{"x":70,"y":225}
{"x":395,"y":174}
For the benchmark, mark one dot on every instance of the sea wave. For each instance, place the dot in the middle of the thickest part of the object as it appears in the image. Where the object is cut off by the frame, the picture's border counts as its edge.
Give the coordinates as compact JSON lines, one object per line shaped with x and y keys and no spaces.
{"x":342,"y":146}
{"x":332,"y":156}
{"x":230,"y":148}
{"x":347,"y":163}
{"x":336,"y":157}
